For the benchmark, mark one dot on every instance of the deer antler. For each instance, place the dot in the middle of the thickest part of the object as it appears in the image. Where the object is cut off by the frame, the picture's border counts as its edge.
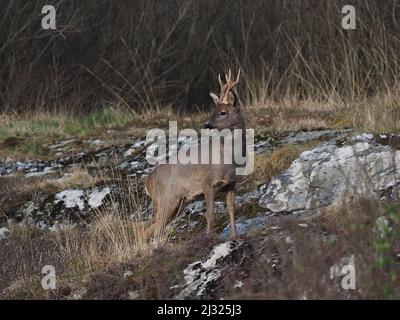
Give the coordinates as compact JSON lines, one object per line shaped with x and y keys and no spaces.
{"x":230,"y":84}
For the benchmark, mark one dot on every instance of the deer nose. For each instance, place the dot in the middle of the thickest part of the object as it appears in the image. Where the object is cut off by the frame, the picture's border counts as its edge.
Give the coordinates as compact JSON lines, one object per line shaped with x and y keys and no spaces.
{"x":208,"y":126}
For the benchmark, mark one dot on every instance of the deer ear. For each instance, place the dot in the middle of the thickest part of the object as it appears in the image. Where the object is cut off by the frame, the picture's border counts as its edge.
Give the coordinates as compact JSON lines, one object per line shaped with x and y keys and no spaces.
{"x":214,"y":97}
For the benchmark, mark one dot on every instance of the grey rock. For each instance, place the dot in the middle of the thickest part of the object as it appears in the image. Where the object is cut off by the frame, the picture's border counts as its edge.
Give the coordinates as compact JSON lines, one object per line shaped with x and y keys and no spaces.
{"x":4,"y":233}
{"x":306,"y":136}
{"x":68,"y":206}
{"x":328,"y":173}
{"x":251,"y":196}
{"x":262,"y":146}
{"x":364,"y":137}
{"x":63,"y":163}
{"x":201,"y":275}
{"x":199,"y":207}
{"x":246,"y":226}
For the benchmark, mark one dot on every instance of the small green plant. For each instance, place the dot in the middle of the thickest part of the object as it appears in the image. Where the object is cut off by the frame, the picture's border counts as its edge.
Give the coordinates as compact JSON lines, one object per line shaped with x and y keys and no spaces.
{"x":385,"y":246}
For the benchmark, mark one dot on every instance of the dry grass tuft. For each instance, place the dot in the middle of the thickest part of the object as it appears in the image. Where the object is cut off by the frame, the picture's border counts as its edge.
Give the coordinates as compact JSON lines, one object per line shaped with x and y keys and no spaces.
{"x":116,"y":233}
{"x":269,"y":165}
{"x":79,"y":177}
{"x":378,"y":115}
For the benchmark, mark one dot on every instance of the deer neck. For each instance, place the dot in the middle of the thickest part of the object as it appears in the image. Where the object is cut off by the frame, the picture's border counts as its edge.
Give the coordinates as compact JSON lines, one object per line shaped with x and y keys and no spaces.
{"x":237,"y":140}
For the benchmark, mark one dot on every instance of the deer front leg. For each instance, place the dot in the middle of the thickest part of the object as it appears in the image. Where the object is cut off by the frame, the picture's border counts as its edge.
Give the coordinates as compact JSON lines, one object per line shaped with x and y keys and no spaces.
{"x":230,"y":203}
{"x":210,"y":210}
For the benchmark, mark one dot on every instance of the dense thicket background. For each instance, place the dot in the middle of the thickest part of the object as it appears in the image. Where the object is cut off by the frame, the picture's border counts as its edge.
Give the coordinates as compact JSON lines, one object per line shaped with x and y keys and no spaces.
{"x":143,"y":53}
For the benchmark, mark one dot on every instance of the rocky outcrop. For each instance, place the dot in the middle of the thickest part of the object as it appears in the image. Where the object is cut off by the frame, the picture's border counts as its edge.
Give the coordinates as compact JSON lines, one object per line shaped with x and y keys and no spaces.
{"x":329,"y":173}
{"x":201,"y":276}
{"x":128,"y":155}
{"x":71,"y":205}
{"x":66,"y":207}
{"x":132,"y":156}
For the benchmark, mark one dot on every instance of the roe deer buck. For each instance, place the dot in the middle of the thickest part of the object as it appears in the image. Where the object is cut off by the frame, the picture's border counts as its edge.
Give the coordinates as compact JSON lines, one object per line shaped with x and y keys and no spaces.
{"x":172,"y":185}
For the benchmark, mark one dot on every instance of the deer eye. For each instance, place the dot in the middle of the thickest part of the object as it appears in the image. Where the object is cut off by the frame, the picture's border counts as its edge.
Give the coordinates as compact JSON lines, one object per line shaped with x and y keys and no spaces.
{"x":222,"y":113}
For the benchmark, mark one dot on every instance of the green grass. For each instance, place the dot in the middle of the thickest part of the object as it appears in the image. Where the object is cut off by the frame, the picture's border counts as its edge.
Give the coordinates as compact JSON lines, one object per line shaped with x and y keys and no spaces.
{"x":26,"y":135}
{"x":64,"y":125}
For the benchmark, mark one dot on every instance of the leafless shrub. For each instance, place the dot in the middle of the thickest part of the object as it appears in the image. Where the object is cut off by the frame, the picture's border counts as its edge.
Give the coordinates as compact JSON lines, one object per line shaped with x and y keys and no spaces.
{"x":143,"y":54}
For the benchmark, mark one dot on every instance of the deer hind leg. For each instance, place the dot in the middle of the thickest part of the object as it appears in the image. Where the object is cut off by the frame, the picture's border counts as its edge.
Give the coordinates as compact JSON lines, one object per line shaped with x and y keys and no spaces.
{"x":209,"y":195}
{"x":230,"y":203}
{"x":165,"y":214}
{"x":149,"y":228}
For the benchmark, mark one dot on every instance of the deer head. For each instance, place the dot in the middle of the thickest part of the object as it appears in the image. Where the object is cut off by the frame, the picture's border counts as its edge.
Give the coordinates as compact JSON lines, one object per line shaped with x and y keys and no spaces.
{"x":227,"y":113}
